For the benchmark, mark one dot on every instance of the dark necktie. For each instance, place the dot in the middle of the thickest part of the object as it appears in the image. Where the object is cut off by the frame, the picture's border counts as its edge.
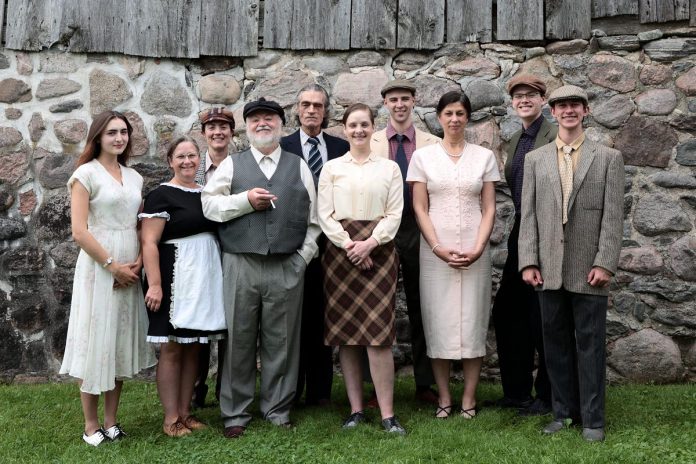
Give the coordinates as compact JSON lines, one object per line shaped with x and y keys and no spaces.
{"x":402,"y":161}
{"x":314,"y":161}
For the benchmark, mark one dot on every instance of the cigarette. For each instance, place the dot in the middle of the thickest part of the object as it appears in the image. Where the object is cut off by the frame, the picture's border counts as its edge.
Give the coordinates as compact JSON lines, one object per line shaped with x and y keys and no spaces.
{"x":272,"y":204}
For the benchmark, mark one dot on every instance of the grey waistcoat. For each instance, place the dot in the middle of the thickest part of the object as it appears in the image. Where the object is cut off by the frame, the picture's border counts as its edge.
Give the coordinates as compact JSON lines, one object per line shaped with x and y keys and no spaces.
{"x":273,"y":231}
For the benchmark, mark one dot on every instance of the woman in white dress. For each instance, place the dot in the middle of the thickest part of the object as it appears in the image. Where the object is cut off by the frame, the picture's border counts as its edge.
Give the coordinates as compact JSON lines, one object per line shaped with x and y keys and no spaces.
{"x":107,"y":324}
{"x":454,"y":202}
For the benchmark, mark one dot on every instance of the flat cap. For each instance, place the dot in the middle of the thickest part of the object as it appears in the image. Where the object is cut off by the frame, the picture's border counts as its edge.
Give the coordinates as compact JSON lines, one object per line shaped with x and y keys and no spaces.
{"x":529,"y":80}
{"x":216,"y":114}
{"x":568,"y":92}
{"x":398,"y":84}
{"x":263,"y":105}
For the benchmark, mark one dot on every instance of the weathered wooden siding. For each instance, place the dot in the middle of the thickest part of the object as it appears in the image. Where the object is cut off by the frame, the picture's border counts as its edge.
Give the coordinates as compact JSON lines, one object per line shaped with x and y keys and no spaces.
{"x":94,"y":26}
{"x":33,"y":24}
{"x":420,"y":24}
{"x":229,"y":27}
{"x":660,"y":11}
{"x":692,"y":21}
{"x":520,"y":20}
{"x":307,"y":24}
{"x":606,"y":8}
{"x":568,"y":19}
{"x":469,"y":20}
{"x":377,"y":26}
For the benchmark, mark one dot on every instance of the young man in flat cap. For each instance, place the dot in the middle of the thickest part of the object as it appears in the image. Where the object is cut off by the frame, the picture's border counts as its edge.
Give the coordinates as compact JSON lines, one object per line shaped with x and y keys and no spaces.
{"x":569,"y":245}
{"x":265,"y":200}
{"x":316,"y":147}
{"x":397,"y":142}
{"x":217,"y":126}
{"x":516,"y":315}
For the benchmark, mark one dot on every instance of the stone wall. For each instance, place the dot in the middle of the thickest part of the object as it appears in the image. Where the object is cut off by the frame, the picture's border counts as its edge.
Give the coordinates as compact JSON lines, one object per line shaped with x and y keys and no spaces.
{"x":643,"y":100}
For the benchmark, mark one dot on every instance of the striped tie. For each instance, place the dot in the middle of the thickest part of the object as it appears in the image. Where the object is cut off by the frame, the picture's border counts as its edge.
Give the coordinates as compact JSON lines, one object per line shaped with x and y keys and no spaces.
{"x":314,"y":161}
{"x":566,"y":179}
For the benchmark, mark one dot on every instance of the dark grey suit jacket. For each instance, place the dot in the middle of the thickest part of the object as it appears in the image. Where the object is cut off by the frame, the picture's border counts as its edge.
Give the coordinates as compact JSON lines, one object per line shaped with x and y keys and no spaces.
{"x":592,"y":236}
{"x":335,"y":146}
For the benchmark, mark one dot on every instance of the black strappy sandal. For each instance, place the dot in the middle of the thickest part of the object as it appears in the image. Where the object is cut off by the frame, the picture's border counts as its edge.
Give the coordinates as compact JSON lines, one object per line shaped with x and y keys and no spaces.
{"x":468,"y":413}
{"x":447,"y":410}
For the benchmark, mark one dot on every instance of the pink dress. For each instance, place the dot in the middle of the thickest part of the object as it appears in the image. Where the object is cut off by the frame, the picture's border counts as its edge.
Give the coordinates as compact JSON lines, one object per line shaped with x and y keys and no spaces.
{"x":455,"y":304}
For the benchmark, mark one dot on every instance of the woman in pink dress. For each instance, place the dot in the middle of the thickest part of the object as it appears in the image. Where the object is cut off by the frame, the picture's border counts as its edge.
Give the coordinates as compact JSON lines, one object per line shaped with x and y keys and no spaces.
{"x":454,"y":202}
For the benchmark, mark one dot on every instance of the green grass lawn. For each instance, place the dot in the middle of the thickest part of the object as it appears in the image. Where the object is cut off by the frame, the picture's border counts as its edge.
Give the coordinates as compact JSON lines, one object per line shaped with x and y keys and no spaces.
{"x":646,"y":424}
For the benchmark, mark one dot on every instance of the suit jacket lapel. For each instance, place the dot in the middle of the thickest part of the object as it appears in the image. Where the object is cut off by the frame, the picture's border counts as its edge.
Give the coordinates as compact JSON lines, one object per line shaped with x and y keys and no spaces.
{"x":587,"y":155}
{"x":551,"y":164}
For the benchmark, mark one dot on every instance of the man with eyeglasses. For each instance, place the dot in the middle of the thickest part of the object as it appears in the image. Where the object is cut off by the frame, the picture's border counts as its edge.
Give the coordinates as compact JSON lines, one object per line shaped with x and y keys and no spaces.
{"x":516,"y":315}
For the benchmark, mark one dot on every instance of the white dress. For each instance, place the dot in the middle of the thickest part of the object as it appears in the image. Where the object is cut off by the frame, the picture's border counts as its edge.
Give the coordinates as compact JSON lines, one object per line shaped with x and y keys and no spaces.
{"x":455,"y":304}
{"x":107,"y":326}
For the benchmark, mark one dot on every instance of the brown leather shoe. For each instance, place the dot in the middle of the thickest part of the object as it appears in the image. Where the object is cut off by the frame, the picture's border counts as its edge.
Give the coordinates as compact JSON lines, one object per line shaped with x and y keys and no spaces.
{"x":193,"y":423}
{"x":234,"y":431}
{"x":177,"y":429}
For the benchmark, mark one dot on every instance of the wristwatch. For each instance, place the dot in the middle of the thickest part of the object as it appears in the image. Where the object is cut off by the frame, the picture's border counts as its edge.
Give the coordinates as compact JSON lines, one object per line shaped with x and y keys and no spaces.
{"x":108,"y":261}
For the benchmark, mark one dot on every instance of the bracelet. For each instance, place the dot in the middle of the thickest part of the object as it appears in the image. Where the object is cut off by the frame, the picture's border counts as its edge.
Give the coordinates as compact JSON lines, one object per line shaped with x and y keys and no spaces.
{"x":435,"y":247}
{"x":108,"y":261}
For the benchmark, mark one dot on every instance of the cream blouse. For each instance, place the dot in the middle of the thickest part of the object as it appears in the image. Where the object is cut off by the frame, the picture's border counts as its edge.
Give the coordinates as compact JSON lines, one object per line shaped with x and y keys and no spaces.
{"x":368,"y":191}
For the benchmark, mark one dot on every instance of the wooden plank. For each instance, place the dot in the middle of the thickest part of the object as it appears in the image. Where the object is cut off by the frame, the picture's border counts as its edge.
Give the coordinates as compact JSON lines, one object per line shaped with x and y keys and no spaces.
{"x":2,"y":19}
{"x":692,"y":21}
{"x":28,"y":27}
{"x":94,"y":26}
{"x":662,"y":11}
{"x":307,"y":24}
{"x":469,"y":20}
{"x":606,"y":8}
{"x":568,"y":19}
{"x":162,"y":28}
{"x":373,"y":24}
{"x":229,"y":27}
{"x":420,"y":24}
{"x":520,"y":20}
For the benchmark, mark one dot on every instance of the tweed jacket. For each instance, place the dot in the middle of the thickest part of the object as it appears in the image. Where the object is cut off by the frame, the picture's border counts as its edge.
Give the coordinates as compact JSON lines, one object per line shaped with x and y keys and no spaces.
{"x":591,"y":237}
{"x":380,"y":144}
{"x":547,"y":134}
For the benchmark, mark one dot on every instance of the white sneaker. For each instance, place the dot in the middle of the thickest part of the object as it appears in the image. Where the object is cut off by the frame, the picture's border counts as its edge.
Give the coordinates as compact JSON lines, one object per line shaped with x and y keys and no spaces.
{"x":115,"y":432}
{"x":96,"y":438}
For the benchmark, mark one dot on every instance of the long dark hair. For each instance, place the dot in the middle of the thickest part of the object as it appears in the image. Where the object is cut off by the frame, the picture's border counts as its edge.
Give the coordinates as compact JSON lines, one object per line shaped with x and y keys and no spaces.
{"x":93,"y":148}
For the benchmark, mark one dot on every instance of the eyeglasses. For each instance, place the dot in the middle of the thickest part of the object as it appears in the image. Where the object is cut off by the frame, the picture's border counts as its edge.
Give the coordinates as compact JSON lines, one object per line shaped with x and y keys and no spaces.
{"x":525,"y":96}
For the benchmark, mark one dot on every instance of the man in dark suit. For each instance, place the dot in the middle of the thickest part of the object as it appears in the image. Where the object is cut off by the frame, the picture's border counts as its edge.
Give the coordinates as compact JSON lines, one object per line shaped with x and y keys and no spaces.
{"x":316,"y":147}
{"x":570,"y":240}
{"x":516,"y":315}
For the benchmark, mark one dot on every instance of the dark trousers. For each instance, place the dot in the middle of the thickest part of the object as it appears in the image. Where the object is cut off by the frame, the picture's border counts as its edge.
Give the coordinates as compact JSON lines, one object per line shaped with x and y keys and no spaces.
{"x":201,"y":388}
{"x":517,"y":322}
{"x":316,"y":359}
{"x":574,"y":326}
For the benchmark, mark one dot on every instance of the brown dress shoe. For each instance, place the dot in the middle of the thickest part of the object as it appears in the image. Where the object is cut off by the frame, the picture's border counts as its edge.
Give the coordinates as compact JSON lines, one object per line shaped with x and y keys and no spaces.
{"x":193,"y":423}
{"x":234,"y":431}
{"x":176,"y":429}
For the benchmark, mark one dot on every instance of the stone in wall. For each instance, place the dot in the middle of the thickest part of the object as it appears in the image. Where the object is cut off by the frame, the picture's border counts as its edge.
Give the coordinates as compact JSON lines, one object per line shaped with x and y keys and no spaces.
{"x":613,"y":113}
{"x":106,"y":91}
{"x":14,"y":91}
{"x":483,"y":94}
{"x":36,"y":127}
{"x":630,"y":305}
{"x":66,"y":106}
{"x":641,"y":260}
{"x":684,"y":122}
{"x":682,"y":255}
{"x":655,"y":74}
{"x":474,"y":66}
{"x":365,"y":58}
{"x":53,"y":217}
{"x":13,"y":164}
{"x":13,"y":113}
{"x":165,"y":128}
{"x":59,"y":62}
{"x":4,"y":61}
{"x":567,"y":47}
{"x":410,"y":61}
{"x":678,"y":316}
{"x":501,"y":51}
{"x":24,"y":65}
{"x":211,"y":64}
{"x":283,"y":87}
{"x":687,"y":82}
{"x":363,"y":87}
{"x":10,"y":349}
{"x":657,"y":141}
{"x":657,"y":214}
{"x":670,"y":49}
{"x":51,"y":88}
{"x":429,"y":89}
{"x":485,"y":134}
{"x":9,"y":136}
{"x":6,"y":197}
{"x":164,"y":95}
{"x":668,"y":289}
{"x":219,"y":89}
{"x":34,"y":358}
{"x":153,"y":175}
{"x":65,"y":254}
{"x":629,"y":43}
{"x":70,"y":131}
{"x":686,"y":153}
{"x":27,"y":202}
{"x":668,"y":179}
{"x":140,"y":144}
{"x":11,"y":228}
{"x":646,"y":355}
{"x":54,"y":168}
{"x":612,"y":72}
{"x":325,"y":65}
{"x":656,"y":102}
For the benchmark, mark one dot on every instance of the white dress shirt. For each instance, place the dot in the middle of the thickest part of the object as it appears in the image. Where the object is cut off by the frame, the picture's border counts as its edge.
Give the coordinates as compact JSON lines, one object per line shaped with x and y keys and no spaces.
{"x":306,"y":146}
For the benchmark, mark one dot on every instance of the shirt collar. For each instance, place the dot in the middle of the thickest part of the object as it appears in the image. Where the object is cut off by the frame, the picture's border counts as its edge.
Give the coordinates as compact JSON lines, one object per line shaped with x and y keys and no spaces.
{"x":534,"y":127}
{"x":304,"y":137}
{"x":409,"y":133}
{"x":575,"y":143}
{"x":258,"y":156}
{"x":348,"y":158}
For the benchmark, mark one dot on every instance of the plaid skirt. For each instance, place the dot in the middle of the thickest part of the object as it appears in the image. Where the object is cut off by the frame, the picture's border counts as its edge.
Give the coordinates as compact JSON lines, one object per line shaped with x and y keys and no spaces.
{"x":360,"y":304}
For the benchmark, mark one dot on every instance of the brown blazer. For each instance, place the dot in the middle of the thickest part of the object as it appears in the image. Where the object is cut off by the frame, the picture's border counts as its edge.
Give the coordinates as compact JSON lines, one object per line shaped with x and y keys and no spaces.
{"x":592,"y":236}
{"x":547,"y":134}
{"x":380,"y":144}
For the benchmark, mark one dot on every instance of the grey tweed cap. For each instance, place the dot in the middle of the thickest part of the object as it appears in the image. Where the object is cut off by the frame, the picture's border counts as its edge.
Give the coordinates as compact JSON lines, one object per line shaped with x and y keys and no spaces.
{"x":568,"y":92}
